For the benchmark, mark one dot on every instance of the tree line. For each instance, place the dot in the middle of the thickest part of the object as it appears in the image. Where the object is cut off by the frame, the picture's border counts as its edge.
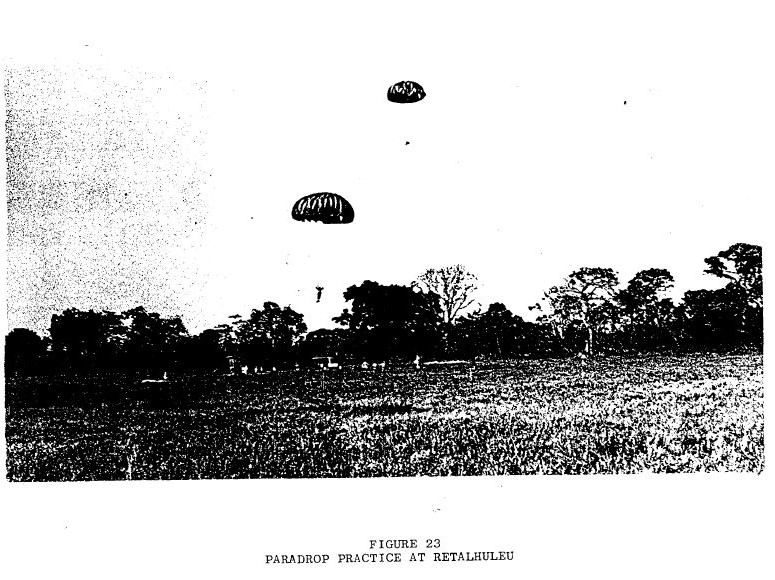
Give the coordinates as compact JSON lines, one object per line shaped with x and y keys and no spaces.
{"x":589,"y":312}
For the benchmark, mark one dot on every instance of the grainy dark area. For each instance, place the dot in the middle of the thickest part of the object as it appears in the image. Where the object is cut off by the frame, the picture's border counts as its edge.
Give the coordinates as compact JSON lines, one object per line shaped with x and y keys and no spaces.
{"x":663,"y":414}
{"x":105,"y":174}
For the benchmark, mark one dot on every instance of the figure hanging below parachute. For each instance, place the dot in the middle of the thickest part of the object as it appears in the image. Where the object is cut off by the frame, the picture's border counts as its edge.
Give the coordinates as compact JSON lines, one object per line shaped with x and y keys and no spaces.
{"x":406,"y":92}
{"x":327,"y":208}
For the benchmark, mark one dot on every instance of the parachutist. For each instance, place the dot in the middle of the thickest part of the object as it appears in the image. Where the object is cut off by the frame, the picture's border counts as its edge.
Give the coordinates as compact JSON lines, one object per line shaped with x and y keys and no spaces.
{"x":320,"y":292}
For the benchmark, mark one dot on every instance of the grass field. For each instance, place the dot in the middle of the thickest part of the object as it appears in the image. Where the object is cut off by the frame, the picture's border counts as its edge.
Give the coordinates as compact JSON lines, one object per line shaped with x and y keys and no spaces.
{"x":620,"y":415}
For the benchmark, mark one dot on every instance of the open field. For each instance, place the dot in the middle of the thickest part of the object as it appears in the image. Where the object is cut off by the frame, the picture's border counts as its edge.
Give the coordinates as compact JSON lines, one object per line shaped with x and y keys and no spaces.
{"x":620,"y":415}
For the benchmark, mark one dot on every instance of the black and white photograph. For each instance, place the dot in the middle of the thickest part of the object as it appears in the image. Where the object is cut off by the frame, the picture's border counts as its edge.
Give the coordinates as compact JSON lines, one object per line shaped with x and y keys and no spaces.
{"x":327,"y":246}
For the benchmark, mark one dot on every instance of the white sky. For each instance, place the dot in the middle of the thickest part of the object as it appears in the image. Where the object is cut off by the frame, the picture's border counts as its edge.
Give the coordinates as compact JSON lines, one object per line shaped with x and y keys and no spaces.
{"x":524,"y":163}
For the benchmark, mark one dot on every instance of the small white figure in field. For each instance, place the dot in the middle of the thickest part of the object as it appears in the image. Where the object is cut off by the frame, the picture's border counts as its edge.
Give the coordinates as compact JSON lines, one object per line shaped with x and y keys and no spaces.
{"x":417,"y":362}
{"x":165,"y":376}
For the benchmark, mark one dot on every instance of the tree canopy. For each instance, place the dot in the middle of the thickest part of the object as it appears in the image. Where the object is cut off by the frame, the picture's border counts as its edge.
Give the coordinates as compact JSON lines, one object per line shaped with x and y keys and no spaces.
{"x":454,"y":285}
{"x":589,"y":311}
{"x":391,"y":321}
{"x":583,"y":300}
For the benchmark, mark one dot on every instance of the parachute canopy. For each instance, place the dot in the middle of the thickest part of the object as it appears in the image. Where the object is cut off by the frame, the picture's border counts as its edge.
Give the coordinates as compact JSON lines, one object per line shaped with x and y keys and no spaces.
{"x":405,"y":92}
{"x":327,"y":208}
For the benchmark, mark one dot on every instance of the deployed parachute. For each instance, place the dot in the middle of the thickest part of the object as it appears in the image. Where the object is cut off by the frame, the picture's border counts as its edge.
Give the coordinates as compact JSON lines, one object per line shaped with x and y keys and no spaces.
{"x":327,"y":208}
{"x":406,"y":92}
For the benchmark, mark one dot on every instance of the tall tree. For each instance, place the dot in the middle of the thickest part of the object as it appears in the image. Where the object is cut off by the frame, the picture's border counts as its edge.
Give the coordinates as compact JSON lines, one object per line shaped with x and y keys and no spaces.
{"x":24,"y":351}
{"x":268,"y":335}
{"x":584,"y":300}
{"x":455,"y":287}
{"x":648,"y":313}
{"x":496,"y":332}
{"x":228,"y":339}
{"x":711,"y":318}
{"x":86,"y":340}
{"x":741,"y":265}
{"x":391,"y":321}
{"x":205,"y":351}
{"x":152,"y":341}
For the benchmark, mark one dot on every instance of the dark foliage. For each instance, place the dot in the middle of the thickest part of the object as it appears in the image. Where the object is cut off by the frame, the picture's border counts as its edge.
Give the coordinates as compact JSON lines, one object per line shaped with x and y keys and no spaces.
{"x":586,"y":312}
{"x":268,"y":336}
{"x":24,"y":351}
{"x":393,"y":321}
{"x":334,"y":342}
